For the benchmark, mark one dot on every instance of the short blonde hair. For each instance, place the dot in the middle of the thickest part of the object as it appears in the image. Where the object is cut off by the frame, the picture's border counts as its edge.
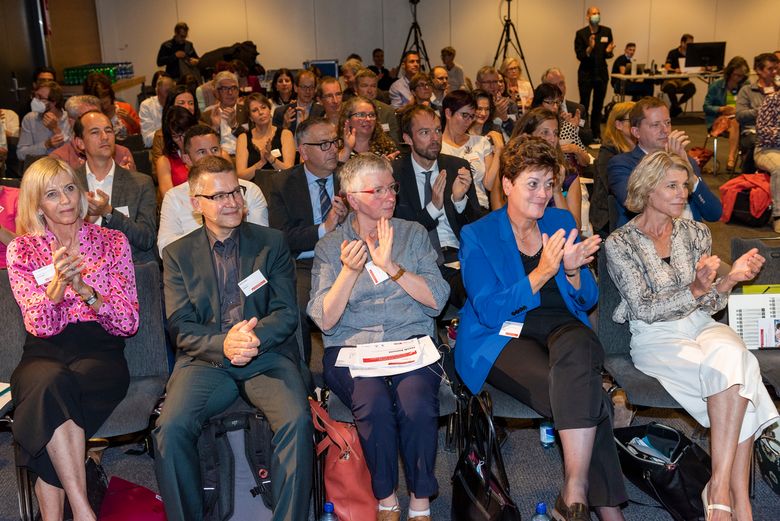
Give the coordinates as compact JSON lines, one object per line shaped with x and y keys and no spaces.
{"x":360,"y":165}
{"x":29,"y":217}
{"x":649,"y":173}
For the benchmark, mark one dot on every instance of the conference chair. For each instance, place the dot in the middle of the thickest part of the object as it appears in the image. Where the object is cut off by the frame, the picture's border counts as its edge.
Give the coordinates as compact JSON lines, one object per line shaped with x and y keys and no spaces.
{"x":146,"y":360}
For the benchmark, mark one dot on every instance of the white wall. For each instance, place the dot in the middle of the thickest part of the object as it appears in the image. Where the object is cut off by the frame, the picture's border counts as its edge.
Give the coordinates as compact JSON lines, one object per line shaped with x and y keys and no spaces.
{"x":287,"y":32}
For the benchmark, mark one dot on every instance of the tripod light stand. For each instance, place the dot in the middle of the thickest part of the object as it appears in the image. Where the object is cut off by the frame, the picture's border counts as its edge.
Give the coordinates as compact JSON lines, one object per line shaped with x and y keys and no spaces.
{"x":509,"y":38}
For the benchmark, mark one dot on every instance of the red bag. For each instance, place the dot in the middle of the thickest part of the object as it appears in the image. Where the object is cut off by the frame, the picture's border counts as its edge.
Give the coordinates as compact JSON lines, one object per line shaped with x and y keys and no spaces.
{"x":347,"y":480}
{"x":126,"y":501}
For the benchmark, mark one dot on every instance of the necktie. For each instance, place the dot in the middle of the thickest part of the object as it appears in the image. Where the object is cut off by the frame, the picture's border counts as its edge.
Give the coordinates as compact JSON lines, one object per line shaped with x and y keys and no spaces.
{"x":324,"y":199}
{"x":432,"y":234}
{"x":428,"y":192}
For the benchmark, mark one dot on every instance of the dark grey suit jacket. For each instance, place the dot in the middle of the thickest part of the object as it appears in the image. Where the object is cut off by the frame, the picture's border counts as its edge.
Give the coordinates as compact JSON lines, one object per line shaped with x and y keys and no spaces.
{"x":192,"y":301}
{"x":136,"y":192}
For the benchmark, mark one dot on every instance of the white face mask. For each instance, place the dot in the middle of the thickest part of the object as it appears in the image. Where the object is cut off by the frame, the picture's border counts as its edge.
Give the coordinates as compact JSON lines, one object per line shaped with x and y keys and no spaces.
{"x":595,"y":19}
{"x":37,"y":106}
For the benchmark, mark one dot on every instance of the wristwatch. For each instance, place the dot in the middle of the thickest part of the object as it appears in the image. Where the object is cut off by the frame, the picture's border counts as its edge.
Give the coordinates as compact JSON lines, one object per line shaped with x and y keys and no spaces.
{"x":400,"y":273}
{"x":107,"y":217}
{"x":91,"y":299}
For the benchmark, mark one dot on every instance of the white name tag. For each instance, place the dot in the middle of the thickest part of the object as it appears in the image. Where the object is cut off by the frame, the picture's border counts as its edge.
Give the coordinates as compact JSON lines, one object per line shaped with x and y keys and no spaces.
{"x":44,"y":275}
{"x":604,"y":39}
{"x":252,"y":283}
{"x":376,"y":273}
{"x":386,"y":127}
{"x":276,"y":153}
{"x":582,"y":122}
{"x":124,"y":210}
{"x":769,"y":90}
{"x":511,"y":329}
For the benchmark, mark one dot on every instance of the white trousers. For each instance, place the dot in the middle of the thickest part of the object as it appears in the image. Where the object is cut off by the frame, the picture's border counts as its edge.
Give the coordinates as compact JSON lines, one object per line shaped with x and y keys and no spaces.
{"x":696,"y":357}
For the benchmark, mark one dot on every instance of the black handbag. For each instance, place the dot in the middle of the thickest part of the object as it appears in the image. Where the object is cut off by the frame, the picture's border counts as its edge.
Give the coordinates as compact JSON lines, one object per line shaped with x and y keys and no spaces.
{"x":768,"y":458}
{"x":480,"y":488}
{"x":677,"y":485}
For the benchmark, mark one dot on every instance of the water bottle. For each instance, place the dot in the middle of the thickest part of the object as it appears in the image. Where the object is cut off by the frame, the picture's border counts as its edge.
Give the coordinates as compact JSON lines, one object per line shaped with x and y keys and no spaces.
{"x":546,"y":434}
{"x":328,"y":514}
{"x":541,"y":513}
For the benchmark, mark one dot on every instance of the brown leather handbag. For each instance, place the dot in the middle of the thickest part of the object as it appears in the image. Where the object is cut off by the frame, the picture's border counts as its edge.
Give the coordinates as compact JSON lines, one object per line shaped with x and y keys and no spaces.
{"x":347,"y":480}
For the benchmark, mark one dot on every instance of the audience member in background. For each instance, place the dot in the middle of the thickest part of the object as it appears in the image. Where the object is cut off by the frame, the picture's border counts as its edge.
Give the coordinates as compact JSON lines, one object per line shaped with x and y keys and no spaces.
{"x":422,"y":89}
{"x":118,"y":198}
{"x":40,"y":74}
{"x":457,"y":116}
{"x":483,"y":119}
{"x":366,"y":85}
{"x":400,"y":93}
{"x":441,"y":86}
{"x":617,"y":139}
{"x":593,"y":46}
{"x":348,"y":71}
{"x":171,"y":168}
{"x":622,"y":65}
{"x":75,"y":107}
{"x":289,"y":116}
{"x":151,"y":109}
{"x":263,"y":145}
{"x":768,"y":149}
{"x":436,"y":191}
{"x":652,"y":128}
{"x":749,"y":100}
{"x":122,"y":115}
{"x":567,"y":191}
{"x":519,"y":89}
{"x":385,"y":78}
{"x":231,"y":345}
{"x":505,"y":109}
{"x":227,"y":114}
{"x":10,"y":120}
{"x":398,"y":412}
{"x":550,"y":97}
{"x":361,"y":133}
{"x":179,"y":96}
{"x":305,"y":204}
{"x":570,"y":111}
{"x":330,"y":97}
{"x":524,"y":264}
{"x":73,"y":371}
{"x":9,"y":197}
{"x":457,"y":78}
{"x":46,"y":127}
{"x":669,"y":287}
{"x":721,"y":101}
{"x":177,"y":216}
{"x":177,"y":50}
{"x":282,"y":90}
{"x":682,"y":86}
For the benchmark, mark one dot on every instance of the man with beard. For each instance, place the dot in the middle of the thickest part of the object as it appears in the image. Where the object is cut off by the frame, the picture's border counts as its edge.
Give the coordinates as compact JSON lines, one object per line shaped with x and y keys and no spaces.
{"x":436,"y":191}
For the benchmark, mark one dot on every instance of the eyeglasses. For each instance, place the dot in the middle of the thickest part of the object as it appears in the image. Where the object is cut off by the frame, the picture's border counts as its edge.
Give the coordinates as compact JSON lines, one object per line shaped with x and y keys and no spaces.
{"x":423,"y":85}
{"x":325,"y":145}
{"x":231,"y":88}
{"x":222,"y":197}
{"x":550,"y":101}
{"x":307,"y":87}
{"x":466,"y":116}
{"x":363,"y":115}
{"x":380,"y":191}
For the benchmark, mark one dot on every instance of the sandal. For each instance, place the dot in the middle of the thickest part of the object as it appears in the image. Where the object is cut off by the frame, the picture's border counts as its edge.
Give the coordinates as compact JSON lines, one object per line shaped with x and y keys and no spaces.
{"x":715,"y":506}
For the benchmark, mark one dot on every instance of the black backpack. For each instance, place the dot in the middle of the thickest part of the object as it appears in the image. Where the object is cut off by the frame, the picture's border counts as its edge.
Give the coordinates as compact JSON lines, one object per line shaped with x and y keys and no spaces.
{"x":218,"y":462}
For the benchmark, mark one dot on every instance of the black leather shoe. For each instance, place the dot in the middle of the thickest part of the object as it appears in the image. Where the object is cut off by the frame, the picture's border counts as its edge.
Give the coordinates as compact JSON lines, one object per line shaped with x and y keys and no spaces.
{"x":573,"y":512}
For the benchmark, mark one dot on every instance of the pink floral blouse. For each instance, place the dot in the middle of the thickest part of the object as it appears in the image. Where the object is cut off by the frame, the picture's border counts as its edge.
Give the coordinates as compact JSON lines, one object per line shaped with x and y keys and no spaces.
{"x":108,"y":269}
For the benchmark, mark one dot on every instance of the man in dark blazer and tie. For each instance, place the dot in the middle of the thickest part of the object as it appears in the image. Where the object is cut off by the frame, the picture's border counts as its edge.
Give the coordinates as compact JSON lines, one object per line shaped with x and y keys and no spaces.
{"x":436,"y":190}
{"x":593,"y":46}
{"x":118,"y":198}
{"x":305,"y":205}
{"x":230,"y":302}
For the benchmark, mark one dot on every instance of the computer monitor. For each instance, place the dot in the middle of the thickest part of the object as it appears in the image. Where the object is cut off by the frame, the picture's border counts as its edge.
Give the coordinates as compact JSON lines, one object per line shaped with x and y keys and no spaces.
{"x":326,"y":67}
{"x":705,"y":54}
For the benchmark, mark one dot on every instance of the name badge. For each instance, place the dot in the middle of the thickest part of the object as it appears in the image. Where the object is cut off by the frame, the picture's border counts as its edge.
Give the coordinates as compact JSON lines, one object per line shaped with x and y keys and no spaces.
{"x":386,"y":127}
{"x":582,"y":123}
{"x":376,"y":273}
{"x":769,"y":90}
{"x":511,"y":329}
{"x":252,"y":283}
{"x":44,"y":275}
{"x":604,"y":39}
{"x":124,"y":210}
{"x":276,"y":153}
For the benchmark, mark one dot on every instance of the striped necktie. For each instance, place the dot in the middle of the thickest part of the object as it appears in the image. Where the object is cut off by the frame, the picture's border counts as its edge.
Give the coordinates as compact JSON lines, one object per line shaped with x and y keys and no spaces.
{"x":325,"y":204}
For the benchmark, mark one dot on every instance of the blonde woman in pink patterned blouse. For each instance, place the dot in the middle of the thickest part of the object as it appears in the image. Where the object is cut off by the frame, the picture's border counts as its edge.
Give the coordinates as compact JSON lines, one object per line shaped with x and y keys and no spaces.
{"x":75,"y":285}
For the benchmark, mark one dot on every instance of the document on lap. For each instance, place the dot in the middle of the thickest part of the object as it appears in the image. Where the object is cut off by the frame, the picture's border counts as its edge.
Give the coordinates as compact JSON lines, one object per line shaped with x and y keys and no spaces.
{"x":388,"y":358}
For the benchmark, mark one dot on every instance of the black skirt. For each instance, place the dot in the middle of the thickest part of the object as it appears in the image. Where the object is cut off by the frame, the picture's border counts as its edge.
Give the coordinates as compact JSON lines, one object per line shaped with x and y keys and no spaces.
{"x":79,"y":374}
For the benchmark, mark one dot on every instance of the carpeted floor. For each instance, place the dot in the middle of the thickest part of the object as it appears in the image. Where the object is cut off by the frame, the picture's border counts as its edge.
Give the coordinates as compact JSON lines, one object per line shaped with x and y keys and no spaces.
{"x":534,"y":473}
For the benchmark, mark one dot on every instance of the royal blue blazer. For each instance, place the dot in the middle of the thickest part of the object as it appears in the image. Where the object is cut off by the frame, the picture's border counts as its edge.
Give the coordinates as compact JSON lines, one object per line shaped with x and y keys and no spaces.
{"x":498,"y":290}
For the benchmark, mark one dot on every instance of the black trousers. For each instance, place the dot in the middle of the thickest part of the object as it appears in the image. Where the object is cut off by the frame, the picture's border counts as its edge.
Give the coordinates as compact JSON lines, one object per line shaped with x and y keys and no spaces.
{"x":557,"y":372}
{"x":453,"y":277}
{"x":303,"y":289}
{"x":596,"y":85}
{"x":672,"y":88}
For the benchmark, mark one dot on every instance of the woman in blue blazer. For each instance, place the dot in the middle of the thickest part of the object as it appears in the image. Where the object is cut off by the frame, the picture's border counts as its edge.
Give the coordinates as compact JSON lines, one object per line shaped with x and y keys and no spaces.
{"x":524,"y":328}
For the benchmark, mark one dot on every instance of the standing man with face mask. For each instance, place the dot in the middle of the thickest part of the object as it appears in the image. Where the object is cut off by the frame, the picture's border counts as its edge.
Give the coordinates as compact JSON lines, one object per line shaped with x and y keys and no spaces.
{"x":593,"y":45}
